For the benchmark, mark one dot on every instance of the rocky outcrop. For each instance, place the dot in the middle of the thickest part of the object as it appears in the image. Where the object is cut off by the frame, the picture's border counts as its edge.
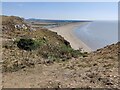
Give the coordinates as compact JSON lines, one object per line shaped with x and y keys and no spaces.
{"x":12,"y":23}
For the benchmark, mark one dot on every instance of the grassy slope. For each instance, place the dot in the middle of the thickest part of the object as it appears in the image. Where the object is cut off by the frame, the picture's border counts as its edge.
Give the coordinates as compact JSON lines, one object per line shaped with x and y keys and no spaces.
{"x":52,"y":47}
{"x":98,"y":70}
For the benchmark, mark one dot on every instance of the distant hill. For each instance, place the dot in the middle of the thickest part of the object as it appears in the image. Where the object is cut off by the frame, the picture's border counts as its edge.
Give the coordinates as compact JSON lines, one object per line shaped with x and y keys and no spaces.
{"x":47,"y":20}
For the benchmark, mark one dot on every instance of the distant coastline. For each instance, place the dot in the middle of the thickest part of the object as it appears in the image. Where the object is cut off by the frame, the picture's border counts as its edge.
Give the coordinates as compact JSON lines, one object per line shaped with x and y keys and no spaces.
{"x":77,"y":31}
{"x":66,"y":31}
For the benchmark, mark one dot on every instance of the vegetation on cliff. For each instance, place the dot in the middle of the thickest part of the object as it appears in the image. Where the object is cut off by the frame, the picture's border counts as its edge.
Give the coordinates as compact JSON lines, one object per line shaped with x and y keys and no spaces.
{"x":24,"y":48}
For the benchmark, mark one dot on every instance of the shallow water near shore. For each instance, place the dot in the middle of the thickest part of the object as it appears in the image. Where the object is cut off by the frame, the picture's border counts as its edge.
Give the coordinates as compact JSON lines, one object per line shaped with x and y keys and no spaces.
{"x":97,"y":34}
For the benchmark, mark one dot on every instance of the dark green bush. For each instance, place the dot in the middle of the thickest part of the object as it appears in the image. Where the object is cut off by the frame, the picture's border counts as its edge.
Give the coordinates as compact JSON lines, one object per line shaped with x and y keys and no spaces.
{"x":27,"y":44}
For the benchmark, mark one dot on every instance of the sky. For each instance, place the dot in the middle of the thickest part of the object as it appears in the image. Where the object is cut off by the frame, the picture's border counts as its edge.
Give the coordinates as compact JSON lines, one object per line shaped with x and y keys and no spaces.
{"x":60,"y":0}
{"x":62,"y":10}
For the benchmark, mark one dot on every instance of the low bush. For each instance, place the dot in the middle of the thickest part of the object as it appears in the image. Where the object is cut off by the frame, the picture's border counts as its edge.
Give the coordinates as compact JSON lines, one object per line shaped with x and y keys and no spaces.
{"x":27,"y":44}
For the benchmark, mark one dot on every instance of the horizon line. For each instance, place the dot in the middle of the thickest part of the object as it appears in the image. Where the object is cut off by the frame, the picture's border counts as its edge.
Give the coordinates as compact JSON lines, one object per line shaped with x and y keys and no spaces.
{"x":60,"y":19}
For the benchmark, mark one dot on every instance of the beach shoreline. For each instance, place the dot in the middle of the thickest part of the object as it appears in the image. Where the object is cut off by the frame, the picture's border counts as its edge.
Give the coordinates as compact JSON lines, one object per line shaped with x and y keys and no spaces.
{"x":66,"y":31}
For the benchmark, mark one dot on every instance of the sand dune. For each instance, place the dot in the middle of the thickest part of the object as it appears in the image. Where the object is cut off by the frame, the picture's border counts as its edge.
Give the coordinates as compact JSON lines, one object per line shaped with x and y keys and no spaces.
{"x":66,"y":31}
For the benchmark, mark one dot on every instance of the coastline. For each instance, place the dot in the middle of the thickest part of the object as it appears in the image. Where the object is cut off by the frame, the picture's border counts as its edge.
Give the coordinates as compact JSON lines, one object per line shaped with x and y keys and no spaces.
{"x":66,"y":31}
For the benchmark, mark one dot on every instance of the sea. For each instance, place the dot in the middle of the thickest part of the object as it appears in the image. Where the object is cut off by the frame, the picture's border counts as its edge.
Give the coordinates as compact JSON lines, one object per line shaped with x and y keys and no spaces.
{"x":98,"y":34}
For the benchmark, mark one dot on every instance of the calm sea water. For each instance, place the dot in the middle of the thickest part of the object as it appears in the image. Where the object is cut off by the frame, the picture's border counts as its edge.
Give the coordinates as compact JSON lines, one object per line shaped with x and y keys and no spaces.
{"x":98,"y":34}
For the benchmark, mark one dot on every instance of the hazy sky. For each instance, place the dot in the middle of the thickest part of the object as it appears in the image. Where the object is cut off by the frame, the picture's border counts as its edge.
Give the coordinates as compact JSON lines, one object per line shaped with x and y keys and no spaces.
{"x":63,"y":10}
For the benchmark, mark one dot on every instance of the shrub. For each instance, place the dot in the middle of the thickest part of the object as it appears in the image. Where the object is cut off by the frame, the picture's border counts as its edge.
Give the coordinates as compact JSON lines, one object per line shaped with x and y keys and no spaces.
{"x":27,"y":44}
{"x":66,"y":43}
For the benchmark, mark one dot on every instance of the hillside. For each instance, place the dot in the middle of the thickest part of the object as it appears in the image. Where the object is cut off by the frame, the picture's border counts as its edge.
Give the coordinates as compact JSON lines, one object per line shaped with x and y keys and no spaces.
{"x":98,"y":70}
{"x":49,"y":46}
{"x":54,"y":64}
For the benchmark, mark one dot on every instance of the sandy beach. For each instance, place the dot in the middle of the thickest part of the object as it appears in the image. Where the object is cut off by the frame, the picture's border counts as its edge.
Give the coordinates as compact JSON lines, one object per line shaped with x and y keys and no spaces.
{"x":66,"y":31}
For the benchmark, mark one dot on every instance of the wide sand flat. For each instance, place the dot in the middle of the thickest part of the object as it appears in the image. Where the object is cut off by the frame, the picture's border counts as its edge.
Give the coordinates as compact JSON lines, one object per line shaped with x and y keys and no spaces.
{"x":66,"y":31}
